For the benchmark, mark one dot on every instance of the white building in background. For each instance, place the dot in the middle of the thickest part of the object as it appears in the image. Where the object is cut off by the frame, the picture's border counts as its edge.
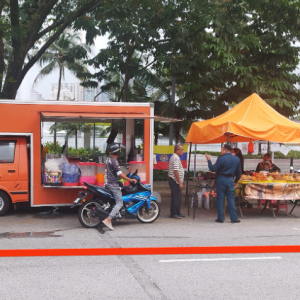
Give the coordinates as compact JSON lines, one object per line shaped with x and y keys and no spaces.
{"x":34,"y":95}
{"x":76,"y":92}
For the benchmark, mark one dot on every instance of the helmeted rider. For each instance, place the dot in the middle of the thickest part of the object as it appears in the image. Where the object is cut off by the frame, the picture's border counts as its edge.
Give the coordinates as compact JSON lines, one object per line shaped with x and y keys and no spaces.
{"x":112,"y":174}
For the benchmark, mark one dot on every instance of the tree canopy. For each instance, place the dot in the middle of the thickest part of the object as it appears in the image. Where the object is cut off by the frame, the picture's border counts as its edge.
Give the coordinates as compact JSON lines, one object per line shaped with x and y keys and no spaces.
{"x":29,"y":25}
{"x":219,"y":51}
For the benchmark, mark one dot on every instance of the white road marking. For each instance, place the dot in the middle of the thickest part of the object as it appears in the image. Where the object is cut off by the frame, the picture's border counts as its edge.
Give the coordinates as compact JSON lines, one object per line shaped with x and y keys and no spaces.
{"x":219,"y":259}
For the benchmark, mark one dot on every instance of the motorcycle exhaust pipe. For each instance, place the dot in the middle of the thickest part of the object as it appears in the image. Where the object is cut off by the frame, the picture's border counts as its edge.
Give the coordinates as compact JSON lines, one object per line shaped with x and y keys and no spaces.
{"x":99,"y":212}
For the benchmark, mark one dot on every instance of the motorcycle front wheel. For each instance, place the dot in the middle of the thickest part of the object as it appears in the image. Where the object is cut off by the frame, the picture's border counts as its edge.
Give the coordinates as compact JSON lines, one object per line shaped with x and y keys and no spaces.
{"x":146,"y":215}
{"x":85,"y":214}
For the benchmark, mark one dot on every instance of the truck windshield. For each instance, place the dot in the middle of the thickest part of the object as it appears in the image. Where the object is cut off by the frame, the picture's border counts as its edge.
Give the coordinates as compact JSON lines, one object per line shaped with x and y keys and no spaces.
{"x":7,"y":151}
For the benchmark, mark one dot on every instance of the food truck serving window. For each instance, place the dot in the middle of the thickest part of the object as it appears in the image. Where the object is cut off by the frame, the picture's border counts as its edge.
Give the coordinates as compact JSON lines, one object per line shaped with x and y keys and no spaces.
{"x":7,"y":151}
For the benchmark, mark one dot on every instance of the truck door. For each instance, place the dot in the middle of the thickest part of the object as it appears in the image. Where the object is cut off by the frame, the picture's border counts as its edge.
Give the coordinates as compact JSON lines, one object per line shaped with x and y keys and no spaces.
{"x":14,"y":168}
{"x":9,"y":162}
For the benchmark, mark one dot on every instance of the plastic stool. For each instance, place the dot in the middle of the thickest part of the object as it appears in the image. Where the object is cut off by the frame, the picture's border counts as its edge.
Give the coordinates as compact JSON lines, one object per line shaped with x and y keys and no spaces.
{"x":279,"y":205}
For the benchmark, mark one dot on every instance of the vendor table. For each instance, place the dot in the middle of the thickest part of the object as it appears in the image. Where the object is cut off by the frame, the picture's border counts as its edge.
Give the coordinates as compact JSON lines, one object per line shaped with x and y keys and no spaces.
{"x":268,"y":191}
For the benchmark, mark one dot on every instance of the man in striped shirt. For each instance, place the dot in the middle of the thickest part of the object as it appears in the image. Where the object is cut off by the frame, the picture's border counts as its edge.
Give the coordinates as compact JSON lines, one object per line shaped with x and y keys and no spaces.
{"x":176,"y":176}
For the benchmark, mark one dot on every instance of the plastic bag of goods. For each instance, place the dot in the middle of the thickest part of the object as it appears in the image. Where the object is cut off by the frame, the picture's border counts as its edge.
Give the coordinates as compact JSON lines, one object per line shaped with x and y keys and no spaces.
{"x":70,"y":174}
{"x":53,"y":165}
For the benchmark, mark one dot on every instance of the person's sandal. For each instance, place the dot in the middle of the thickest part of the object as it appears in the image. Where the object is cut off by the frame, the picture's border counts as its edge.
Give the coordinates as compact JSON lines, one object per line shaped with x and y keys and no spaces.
{"x":109,"y":225}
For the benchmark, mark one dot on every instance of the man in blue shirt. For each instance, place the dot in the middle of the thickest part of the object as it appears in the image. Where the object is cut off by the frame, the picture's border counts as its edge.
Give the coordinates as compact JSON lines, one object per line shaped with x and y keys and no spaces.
{"x":227,"y":166}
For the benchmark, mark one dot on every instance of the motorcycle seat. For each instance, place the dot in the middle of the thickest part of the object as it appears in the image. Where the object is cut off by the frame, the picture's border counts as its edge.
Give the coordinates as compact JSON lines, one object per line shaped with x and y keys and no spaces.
{"x":104,"y":189}
{"x":97,"y":187}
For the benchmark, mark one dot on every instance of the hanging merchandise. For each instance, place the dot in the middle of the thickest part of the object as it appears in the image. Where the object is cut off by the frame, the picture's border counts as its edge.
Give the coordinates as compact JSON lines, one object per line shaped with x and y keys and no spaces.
{"x":284,"y":150}
{"x":275,"y":147}
{"x":250,"y":147}
{"x":256,"y":148}
{"x":264,"y":148}
{"x":244,"y":148}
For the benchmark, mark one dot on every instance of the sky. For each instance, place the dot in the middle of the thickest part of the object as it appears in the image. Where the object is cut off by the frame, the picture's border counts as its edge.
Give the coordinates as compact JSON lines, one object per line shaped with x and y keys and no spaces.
{"x":44,"y":86}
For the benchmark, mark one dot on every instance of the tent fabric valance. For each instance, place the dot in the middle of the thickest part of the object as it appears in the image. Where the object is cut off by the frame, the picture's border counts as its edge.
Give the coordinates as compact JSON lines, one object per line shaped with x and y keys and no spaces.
{"x":252,"y":119}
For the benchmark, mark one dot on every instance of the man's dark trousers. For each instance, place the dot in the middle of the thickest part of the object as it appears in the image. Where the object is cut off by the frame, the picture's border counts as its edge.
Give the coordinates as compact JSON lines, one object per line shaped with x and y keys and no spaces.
{"x":175,"y":197}
{"x":225,"y":187}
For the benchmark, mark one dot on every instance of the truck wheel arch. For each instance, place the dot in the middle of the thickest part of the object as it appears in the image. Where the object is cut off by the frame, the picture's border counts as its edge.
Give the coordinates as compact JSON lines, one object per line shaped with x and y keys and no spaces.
{"x":5,"y":202}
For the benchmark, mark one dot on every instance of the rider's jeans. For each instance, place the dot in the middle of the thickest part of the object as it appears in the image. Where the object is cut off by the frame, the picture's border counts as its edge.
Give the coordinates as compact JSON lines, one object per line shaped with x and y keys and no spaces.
{"x":116,"y":191}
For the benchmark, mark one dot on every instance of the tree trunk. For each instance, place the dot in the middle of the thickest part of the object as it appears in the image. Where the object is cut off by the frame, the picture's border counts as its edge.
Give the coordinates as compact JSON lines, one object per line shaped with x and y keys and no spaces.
{"x":155,"y":138}
{"x":59,"y":83}
{"x":58,"y":94}
{"x":172,"y":104}
{"x":127,"y":73}
{"x":76,"y":133}
{"x":1,"y":58}
{"x":176,"y":136}
{"x":126,"y":82}
{"x":54,"y":137}
{"x":13,"y":75}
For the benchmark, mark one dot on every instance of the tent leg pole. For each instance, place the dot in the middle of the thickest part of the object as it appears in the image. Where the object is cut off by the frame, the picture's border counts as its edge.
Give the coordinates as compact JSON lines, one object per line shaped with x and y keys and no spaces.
{"x":195,"y":160}
{"x":187,"y":182}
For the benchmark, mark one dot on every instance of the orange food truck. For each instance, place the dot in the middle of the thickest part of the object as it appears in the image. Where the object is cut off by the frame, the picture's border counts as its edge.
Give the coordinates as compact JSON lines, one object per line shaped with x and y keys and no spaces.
{"x":21,"y":151}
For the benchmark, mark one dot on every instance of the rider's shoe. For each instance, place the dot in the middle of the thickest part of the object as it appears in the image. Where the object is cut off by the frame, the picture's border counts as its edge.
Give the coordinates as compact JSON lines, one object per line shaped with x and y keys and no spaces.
{"x":109,"y":225}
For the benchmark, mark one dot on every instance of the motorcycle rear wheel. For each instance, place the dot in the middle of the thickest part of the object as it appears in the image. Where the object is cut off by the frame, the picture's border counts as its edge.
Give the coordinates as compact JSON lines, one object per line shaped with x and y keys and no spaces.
{"x":148,"y":217}
{"x":85,"y":216}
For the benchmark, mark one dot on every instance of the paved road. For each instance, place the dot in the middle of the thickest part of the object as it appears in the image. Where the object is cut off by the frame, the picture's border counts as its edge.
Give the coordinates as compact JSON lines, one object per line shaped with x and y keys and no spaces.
{"x":250,"y":164}
{"x":248,"y":276}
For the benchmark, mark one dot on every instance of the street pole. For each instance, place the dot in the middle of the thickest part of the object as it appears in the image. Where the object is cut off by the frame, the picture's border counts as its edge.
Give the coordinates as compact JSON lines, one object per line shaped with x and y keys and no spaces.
{"x":94,"y":137}
{"x":195,"y":160}
{"x":173,"y":105}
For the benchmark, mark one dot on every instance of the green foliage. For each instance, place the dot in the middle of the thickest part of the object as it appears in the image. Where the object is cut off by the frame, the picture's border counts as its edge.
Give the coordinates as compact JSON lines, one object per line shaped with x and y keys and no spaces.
{"x":30,"y":27}
{"x":160,"y":175}
{"x":66,"y":53}
{"x":85,"y":154}
{"x":219,"y":51}
{"x":71,"y":128}
{"x":51,"y":149}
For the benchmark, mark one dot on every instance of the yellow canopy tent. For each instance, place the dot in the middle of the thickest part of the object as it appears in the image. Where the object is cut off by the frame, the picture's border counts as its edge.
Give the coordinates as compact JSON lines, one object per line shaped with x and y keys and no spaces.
{"x":252,"y":119}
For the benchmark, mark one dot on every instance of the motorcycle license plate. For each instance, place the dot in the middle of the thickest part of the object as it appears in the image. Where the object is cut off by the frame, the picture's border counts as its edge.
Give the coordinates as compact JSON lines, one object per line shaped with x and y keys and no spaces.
{"x":77,"y":200}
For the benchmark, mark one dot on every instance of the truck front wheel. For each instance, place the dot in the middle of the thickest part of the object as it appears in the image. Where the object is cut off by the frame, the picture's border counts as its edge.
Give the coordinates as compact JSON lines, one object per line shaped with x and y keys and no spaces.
{"x":4,"y":203}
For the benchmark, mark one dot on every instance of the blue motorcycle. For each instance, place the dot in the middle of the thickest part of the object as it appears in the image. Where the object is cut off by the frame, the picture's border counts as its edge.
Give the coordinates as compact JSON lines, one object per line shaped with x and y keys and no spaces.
{"x":137,"y":204}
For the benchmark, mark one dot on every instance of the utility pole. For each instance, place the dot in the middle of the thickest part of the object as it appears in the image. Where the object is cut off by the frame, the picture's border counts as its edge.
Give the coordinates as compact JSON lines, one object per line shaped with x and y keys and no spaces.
{"x":173,"y":105}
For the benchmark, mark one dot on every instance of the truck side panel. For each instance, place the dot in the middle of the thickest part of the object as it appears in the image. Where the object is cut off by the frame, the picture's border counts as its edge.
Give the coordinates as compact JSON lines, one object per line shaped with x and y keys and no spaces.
{"x":26,"y":118}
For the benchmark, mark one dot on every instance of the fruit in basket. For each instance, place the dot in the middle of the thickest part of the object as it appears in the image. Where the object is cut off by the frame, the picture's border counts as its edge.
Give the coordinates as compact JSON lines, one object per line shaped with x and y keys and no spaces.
{"x":246,"y":177}
{"x":285,"y":177}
